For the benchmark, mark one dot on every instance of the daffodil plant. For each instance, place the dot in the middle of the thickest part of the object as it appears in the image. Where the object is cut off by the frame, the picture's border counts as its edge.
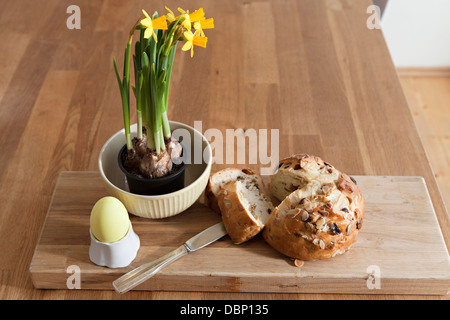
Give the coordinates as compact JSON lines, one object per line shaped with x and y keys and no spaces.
{"x":153,"y":59}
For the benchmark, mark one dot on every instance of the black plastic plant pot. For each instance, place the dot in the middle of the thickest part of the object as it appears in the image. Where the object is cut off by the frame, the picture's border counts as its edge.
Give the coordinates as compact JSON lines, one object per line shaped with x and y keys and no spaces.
{"x":156,"y":186}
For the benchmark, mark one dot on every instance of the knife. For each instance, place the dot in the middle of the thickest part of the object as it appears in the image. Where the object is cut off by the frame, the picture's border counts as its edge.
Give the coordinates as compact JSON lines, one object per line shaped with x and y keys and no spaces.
{"x":140,"y":274}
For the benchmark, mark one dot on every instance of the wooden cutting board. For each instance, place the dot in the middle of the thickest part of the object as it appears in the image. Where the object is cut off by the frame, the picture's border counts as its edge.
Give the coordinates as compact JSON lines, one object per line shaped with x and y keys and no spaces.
{"x":400,"y":249}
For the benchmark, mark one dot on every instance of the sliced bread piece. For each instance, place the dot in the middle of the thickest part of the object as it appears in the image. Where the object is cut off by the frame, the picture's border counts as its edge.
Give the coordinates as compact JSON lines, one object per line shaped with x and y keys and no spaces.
{"x":218,"y":180}
{"x":245,"y":209}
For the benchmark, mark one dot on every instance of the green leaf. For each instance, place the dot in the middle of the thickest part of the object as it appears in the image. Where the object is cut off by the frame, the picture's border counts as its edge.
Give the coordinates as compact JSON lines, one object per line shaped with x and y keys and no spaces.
{"x":117,"y":74}
{"x":146,"y":93}
{"x":170,"y":59}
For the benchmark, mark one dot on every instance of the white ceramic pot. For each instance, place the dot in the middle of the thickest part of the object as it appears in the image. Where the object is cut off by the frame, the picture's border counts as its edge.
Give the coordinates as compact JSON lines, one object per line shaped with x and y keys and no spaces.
{"x":161,"y":206}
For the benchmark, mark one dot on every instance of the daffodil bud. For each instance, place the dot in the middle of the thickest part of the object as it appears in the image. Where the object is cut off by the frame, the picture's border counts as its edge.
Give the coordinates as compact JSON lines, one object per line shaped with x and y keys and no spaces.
{"x":168,"y":45}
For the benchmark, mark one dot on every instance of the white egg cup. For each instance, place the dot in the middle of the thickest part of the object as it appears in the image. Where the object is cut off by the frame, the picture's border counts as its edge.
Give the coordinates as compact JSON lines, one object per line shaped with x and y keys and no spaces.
{"x":117,"y":254}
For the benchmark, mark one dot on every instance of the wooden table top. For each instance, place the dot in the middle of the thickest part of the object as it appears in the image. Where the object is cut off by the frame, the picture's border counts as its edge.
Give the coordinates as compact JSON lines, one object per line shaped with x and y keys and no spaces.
{"x":311,"y":69}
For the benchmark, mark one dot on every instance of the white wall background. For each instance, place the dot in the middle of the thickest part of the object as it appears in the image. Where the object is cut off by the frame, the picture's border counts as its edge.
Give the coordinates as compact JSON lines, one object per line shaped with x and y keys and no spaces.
{"x":417,"y":32}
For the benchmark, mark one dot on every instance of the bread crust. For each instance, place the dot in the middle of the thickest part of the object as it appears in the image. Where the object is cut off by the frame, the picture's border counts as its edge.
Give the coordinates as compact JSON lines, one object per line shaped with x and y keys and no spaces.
{"x":211,"y":200}
{"x":322,"y":218}
{"x":240,"y":224}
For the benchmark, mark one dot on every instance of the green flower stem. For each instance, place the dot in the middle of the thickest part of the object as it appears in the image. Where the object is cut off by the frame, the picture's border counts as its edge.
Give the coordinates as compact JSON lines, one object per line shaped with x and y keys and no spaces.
{"x":126,"y":71}
{"x":162,"y":142}
{"x":165,"y":120}
{"x":126,"y":89}
{"x":157,"y":135}
{"x":126,"y":116}
{"x":139,"y":125}
{"x":166,"y":126}
{"x":150,"y":139}
{"x":140,"y":78}
{"x":156,"y":111}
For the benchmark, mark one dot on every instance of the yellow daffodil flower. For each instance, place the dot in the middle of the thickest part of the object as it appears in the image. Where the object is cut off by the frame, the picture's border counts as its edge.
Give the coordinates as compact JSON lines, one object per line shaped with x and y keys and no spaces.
{"x":192,"y":40}
{"x":197,"y":15}
{"x":203,"y":24}
{"x":186,"y":24}
{"x":170,"y":16}
{"x":150,"y":25}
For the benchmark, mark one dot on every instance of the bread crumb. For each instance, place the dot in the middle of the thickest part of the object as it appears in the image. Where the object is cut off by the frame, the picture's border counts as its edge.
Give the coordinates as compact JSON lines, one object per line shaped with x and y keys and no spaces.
{"x":299,"y":263}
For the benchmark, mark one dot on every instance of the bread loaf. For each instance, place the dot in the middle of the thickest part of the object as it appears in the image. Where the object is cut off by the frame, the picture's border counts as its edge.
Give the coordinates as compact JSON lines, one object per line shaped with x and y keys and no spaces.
{"x":321,"y":212}
{"x":245,"y":209}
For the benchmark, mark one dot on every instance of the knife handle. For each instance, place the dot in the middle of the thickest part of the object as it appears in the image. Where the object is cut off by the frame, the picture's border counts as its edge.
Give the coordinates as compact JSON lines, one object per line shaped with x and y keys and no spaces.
{"x":140,"y":274}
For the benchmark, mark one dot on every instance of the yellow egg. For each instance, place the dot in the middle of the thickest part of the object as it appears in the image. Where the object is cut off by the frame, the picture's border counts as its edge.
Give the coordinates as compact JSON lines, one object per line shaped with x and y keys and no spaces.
{"x":109,"y":220}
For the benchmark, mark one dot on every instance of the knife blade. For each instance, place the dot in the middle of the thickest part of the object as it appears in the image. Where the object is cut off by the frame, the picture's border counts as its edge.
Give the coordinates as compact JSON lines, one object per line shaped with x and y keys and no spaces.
{"x":140,"y":274}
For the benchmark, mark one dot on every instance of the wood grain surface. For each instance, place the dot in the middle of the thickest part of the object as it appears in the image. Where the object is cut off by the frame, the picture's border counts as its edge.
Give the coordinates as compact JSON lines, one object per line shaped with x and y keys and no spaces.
{"x":400,"y":248}
{"x":311,"y":69}
{"x":429,"y":100}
